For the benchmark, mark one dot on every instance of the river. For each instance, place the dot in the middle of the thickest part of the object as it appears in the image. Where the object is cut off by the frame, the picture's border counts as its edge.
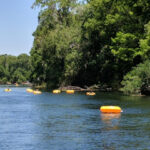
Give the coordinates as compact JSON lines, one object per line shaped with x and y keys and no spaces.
{"x":72,"y":122}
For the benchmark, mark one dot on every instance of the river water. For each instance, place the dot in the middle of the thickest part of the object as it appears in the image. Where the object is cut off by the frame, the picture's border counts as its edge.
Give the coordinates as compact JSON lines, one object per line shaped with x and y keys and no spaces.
{"x":72,"y":122}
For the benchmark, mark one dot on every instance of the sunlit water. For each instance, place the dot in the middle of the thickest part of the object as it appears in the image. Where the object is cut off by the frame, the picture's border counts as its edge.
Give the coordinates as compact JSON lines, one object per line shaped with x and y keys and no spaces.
{"x":72,"y":122}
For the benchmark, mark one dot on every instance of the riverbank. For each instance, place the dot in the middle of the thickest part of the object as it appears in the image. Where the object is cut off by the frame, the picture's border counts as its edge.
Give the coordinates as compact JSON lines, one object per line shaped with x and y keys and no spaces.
{"x":17,"y":84}
{"x":77,"y":88}
{"x":94,"y":88}
{"x":91,"y":88}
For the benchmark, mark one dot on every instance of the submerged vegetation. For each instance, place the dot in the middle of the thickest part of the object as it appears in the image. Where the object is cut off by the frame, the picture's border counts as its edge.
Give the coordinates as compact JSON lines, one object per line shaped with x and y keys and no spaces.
{"x":94,"y":42}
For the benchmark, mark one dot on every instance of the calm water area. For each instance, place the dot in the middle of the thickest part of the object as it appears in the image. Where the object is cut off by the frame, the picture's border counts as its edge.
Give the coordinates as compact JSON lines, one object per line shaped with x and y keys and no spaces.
{"x":72,"y":122}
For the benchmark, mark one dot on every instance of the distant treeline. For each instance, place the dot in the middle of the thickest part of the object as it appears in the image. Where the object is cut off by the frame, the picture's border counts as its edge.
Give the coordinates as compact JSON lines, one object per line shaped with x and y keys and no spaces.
{"x":14,"y":69}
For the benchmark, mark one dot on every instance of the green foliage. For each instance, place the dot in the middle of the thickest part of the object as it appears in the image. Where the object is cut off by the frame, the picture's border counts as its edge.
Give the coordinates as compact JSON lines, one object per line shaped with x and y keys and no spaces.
{"x":125,"y":46}
{"x":145,"y":43}
{"x":131,"y":84}
{"x":137,"y":80}
{"x":112,"y":31}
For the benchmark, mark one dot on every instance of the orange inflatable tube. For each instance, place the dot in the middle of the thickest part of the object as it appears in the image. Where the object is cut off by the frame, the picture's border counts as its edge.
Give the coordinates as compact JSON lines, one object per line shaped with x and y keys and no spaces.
{"x":70,"y":91}
{"x":110,"y":109}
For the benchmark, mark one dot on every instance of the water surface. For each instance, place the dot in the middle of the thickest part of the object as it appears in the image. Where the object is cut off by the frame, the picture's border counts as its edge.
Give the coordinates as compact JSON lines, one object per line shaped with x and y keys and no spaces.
{"x":72,"y":122}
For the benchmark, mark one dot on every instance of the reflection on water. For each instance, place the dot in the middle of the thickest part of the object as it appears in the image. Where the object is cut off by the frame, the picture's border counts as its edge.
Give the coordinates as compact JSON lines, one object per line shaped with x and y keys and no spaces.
{"x":108,"y":117}
{"x":111,"y":120}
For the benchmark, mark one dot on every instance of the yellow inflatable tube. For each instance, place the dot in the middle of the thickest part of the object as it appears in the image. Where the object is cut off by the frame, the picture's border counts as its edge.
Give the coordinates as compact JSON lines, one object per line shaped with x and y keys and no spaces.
{"x":7,"y":90}
{"x":17,"y":84}
{"x":110,"y":109}
{"x":37,"y":92}
{"x":70,"y":91}
{"x":29,"y":90}
{"x":56,"y":91}
{"x":90,"y":93}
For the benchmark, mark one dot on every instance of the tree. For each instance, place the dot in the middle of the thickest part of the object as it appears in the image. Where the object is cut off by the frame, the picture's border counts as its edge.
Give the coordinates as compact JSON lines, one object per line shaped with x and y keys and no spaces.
{"x":57,"y":35}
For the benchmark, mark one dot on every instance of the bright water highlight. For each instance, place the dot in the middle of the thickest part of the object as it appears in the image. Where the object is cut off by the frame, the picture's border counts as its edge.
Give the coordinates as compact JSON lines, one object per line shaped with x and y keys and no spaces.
{"x":72,"y":122}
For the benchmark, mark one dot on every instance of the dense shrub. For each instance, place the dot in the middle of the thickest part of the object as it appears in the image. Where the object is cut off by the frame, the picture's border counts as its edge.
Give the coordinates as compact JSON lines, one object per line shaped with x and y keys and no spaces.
{"x":137,"y":80}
